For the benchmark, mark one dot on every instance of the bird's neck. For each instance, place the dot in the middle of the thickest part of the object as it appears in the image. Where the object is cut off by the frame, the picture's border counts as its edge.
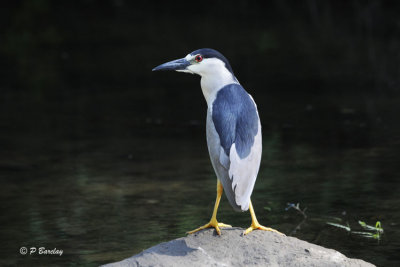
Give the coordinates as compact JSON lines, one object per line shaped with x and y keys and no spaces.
{"x":213,"y":81}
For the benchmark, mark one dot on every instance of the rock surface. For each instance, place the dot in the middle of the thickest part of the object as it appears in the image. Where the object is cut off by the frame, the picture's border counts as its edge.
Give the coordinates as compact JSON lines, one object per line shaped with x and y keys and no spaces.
{"x":258,"y":248}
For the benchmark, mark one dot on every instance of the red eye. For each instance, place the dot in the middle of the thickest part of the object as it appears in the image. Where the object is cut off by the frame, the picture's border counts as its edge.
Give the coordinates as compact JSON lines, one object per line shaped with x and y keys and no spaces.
{"x":198,"y":58}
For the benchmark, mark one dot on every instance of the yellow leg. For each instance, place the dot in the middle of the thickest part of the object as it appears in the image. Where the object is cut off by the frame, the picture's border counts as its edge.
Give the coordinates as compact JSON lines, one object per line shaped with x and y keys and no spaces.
{"x":256,"y":225}
{"x":213,"y":222}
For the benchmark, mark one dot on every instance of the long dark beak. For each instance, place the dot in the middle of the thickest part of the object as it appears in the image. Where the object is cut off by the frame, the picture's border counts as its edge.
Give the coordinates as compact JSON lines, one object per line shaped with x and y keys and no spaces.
{"x":179,"y":64}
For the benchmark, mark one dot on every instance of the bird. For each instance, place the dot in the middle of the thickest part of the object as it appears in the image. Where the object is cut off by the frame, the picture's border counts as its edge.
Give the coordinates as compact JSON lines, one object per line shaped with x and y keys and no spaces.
{"x":233,"y":131}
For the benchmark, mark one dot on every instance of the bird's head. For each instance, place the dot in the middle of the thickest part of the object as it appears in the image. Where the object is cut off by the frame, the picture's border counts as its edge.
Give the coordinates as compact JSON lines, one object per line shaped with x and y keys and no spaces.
{"x":203,"y":62}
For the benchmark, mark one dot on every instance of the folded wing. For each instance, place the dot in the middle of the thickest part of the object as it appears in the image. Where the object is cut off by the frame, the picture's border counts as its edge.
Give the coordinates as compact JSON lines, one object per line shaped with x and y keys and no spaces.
{"x":235,"y":143}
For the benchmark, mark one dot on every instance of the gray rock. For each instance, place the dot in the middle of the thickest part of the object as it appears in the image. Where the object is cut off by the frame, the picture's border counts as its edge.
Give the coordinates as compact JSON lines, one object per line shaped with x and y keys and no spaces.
{"x":259,"y":248}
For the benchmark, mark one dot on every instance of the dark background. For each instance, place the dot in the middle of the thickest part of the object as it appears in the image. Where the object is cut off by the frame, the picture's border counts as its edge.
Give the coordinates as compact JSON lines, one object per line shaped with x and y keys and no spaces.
{"x":54,"y":53}
{"x":76,"y":87}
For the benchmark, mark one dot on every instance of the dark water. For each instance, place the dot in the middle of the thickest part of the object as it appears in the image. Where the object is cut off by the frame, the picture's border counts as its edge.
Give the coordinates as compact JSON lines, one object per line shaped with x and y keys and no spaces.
{"x":102,"y":186}
{"x":102,"y":158}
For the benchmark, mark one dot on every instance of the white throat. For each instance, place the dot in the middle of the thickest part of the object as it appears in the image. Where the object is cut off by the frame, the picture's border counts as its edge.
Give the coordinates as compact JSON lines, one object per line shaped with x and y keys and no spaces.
{"x":214,"y":76}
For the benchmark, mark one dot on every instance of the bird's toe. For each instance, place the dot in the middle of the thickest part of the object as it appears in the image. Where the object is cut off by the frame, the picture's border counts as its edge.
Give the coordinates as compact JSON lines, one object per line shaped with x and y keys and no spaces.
{"x":211,"y":224}
{"x":260,"y":227}
{"x":224,"y":225}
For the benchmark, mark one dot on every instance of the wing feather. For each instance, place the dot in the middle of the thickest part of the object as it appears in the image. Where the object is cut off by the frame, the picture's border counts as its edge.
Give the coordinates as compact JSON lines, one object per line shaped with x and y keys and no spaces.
{"x":243,"y":172}
{"x":234,"y":143}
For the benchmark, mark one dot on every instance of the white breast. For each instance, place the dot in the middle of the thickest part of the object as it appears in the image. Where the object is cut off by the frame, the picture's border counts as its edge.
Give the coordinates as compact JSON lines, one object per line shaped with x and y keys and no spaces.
{"x":214,"y":76}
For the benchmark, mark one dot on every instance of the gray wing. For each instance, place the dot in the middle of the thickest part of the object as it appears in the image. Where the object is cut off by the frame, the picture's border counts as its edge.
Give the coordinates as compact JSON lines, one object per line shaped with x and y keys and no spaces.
{"x":237,"y":174}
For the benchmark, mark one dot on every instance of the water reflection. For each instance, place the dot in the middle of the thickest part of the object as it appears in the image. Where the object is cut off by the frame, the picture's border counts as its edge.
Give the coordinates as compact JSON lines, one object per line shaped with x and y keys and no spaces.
{"x":106,"y":190}
{"x":102,"y":160}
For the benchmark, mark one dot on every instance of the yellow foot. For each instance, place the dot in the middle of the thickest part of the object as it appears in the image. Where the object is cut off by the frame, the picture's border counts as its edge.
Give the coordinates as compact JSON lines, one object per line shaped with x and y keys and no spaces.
{"x":260,"y":227}
{"x":212,"y":223}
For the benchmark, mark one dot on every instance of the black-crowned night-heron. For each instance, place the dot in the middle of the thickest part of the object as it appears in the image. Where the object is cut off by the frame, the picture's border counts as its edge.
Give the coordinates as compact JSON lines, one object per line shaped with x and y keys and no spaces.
{"x":233,"y":131}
